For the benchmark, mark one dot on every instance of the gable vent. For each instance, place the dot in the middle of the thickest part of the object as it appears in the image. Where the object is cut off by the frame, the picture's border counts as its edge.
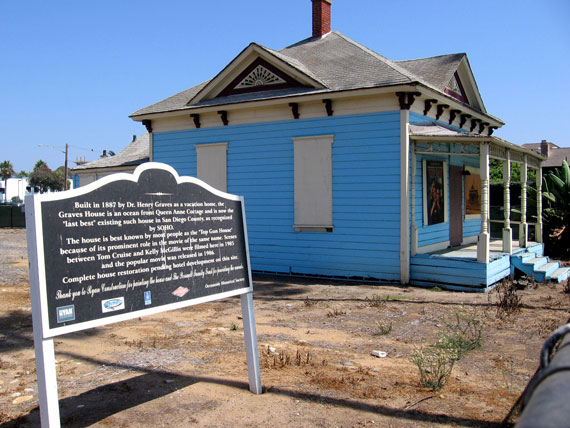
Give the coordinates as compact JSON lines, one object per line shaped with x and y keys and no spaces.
{"x":259,"y":76}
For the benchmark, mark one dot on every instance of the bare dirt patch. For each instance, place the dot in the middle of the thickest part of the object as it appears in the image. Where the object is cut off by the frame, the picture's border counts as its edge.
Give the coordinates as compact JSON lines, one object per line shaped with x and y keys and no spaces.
{"x":187,"y":368}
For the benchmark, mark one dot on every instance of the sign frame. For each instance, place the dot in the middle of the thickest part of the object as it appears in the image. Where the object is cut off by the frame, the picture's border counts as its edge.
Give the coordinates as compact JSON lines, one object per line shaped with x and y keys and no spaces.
{"x":44,"y":333}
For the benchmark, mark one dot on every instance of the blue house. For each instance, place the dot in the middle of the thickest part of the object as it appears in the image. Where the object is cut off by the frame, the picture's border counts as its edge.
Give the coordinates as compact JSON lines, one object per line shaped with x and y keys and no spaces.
{"x":351,"y":165}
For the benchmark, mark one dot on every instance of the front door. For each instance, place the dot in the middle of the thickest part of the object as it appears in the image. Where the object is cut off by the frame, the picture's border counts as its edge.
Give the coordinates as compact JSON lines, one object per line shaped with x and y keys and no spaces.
{"x":455,"y":205}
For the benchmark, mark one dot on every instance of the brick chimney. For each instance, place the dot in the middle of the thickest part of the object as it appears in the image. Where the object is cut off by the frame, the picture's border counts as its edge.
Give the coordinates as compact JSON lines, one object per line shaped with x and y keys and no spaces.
{"x":544,"y":148}
{"x":321,"y":17}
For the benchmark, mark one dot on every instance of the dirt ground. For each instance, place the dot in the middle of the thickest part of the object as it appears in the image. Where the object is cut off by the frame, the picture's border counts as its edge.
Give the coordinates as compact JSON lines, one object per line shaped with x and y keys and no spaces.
{"x":188,"y":367}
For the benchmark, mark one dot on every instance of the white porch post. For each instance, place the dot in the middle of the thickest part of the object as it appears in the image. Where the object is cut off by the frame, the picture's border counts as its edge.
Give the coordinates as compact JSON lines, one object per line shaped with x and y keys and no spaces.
{"x":507,"y":231}
{"x":414,"y":225}
{"x":483,"y":239}
{"x":523,"y":230}
{"x":538,"y":232}
{"x":404,"y":197}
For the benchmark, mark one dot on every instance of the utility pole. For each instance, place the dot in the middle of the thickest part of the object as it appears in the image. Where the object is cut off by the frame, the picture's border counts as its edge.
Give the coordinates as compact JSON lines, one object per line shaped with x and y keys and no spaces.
{"x":65,"y":166}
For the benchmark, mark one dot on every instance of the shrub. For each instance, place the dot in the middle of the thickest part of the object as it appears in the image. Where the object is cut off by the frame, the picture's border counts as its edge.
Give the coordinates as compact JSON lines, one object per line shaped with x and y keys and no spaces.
{"x":435,"y":365}
{"x":384,"y":328}
{"x":508,"y":299}
{"x":462,"y":335}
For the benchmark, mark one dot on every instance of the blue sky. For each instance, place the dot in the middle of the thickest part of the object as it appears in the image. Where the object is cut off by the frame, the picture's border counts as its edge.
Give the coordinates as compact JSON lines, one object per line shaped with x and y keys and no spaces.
{"x":73,"y":71}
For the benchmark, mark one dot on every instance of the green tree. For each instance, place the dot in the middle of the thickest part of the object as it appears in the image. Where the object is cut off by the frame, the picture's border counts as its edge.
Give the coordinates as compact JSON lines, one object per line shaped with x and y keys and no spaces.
{"x":556,"y":211}
{"x":6,"y":171}
{"x":496,"y":172}
{"x":44,"y":178}
{"x":22,"y":174}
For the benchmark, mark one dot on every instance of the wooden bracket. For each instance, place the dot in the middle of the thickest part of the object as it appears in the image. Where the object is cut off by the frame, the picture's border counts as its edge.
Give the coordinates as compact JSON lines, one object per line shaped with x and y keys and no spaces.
{"x":405,"y":104}
{"x":490,"y":130}
{"x":453,"y":115}
{"x":224,"y":116}
{"x":427,"y":105}
{"x":464,"y":118}
{"x":474,"y":123}
{"x":148,"y":125}
{"x":328,"y":106}
{"x":440,"y":109}
{"x":196,"y":118}
{"x":482,"y":126}
{"x":294,"y":110}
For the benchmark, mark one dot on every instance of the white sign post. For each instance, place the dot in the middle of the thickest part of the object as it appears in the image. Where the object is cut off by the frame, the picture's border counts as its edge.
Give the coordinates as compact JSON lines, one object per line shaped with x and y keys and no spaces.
{"x":131,"y":245}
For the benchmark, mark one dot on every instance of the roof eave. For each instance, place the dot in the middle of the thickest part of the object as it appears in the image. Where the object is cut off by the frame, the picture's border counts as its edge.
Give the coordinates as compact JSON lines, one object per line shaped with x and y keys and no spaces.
{"x":319,"y":94}
{"x":478,"y":139}
{"x":461,"y":105}
{"x":313,"y":96}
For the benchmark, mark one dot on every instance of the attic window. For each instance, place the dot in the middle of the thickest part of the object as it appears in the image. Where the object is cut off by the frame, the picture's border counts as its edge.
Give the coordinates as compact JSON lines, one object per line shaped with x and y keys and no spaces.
{"x":455,"y":89}
{"x":260,"y":76}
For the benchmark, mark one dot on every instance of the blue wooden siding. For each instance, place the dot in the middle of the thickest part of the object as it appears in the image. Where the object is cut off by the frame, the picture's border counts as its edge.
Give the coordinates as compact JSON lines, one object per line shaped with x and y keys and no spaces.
{"x":366,"y":191}
{"x":457,"y":274}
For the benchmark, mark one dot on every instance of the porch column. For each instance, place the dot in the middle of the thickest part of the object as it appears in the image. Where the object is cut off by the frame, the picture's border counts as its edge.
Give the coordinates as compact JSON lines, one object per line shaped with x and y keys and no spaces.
{"x":538,"y":231}
{"x":483,"y":239}
{"x":414,"y":225}
{"x":507,"y":231}
{"x":523,"y":229}
{"x":404,"y":197}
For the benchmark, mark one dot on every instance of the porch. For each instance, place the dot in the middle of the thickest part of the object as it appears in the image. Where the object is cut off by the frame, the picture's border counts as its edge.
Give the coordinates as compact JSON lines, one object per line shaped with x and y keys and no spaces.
{"x":458,"y":250}
{"x":457,"y":268}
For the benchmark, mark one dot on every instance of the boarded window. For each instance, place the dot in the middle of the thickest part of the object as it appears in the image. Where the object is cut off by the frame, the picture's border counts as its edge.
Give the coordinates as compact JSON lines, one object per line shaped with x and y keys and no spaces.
{"x":313,"y":183}
{"x":212,"y":164}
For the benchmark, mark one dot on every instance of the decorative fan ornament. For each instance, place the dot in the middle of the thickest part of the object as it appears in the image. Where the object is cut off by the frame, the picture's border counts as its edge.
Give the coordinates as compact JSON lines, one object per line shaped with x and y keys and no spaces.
{"x":260,"y":76}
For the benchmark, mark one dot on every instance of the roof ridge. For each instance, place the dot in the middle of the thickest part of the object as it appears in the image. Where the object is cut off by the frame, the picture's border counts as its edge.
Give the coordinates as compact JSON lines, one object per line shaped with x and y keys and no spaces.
{"x":384,"y":59}
{"x":432,"y":57}
{"x":307,"y":40}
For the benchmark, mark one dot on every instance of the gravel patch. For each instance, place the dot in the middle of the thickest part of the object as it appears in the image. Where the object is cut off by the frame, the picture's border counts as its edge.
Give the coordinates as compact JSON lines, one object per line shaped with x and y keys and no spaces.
{"x":13,"y":257}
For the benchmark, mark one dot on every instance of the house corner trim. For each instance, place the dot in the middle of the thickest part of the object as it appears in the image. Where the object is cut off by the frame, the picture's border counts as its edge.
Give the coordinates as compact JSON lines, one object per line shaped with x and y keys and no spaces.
{"x":404,"y":197}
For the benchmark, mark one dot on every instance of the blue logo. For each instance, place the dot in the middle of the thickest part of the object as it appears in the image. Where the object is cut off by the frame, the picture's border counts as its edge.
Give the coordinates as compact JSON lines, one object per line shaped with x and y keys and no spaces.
{"x":65,"y":313}
{"x":147,"y":299}
{"x":111,"y":305}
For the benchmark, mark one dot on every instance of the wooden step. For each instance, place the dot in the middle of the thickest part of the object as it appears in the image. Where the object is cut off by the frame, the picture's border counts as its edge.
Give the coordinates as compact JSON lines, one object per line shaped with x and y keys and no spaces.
{"x":559,"y":275}
{"x":542,"y":273}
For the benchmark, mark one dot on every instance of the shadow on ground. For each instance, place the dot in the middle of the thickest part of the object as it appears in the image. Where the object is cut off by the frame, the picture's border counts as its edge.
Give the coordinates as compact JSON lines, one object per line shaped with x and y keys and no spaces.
{"x":97,"y":404}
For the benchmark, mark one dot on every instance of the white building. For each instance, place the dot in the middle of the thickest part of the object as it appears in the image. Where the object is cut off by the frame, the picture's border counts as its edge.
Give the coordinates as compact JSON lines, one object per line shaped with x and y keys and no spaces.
{"x":15,"y":188}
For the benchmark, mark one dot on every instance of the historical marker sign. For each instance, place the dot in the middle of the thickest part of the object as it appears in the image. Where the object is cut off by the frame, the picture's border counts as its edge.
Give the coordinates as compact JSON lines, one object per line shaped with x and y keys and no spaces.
{"x":133,"y":245}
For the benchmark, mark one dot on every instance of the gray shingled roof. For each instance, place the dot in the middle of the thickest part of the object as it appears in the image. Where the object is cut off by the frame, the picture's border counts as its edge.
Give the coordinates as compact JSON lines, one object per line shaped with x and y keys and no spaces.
{"x":343,"y":64}
{"x":430,"y":129}
{"x":437,"y":70}
{"x":134,"y":154}
{"x":556,"y":156}
{"x":336,"y":61}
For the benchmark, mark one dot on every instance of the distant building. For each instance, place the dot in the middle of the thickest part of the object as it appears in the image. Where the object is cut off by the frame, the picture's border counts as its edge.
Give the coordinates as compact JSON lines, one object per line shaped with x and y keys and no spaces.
{"x":16,"y":188}
{"x":127,"y":160}
{"x":554,"y":154}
